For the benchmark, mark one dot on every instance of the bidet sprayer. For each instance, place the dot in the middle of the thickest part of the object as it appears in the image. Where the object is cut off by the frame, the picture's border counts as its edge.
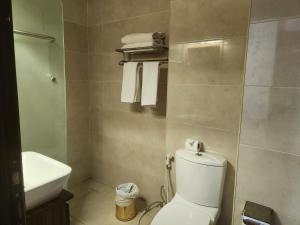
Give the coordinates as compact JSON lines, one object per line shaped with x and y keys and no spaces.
{"x":169,"y":159}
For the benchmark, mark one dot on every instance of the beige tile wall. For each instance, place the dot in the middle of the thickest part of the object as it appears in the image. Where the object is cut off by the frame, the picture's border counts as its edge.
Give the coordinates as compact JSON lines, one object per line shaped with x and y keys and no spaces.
{"x":76,"y":63}
{"x":116,"y":142}
{"x":206,"y":75}
{"x":269,"y":158}
{"x":128,"y":141}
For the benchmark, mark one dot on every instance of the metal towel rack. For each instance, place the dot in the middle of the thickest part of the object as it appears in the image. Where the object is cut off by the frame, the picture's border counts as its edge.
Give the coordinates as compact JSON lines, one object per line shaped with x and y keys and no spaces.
{"x":35,"y":35}
{"x":161,"y":61}
{"x":148,"y":49}
{"x":155,"y":50}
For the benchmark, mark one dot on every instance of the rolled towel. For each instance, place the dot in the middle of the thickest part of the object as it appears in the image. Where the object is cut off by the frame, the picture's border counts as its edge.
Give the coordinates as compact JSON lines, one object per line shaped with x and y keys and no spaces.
{"x":143,"y":37}
{"x":159,"y":36}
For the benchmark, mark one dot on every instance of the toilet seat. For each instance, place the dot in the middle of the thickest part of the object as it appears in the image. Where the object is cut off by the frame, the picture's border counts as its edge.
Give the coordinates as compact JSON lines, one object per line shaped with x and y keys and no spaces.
{"x":177,"y":213}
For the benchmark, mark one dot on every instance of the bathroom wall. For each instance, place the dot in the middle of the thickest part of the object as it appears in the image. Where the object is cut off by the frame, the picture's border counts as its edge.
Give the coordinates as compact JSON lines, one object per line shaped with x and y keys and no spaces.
{"x":269,"y":155}
{"x":41,"y":101}
{"x":115,"y":142}
{"x":128,"y":141}
{"x":206,"y":75}
{"x":76,"y":60}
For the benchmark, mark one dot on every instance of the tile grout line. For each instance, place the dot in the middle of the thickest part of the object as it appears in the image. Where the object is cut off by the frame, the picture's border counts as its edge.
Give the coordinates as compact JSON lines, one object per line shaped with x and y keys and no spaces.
{"x":128,"y":18}
{"x":233,"y":131}
{"x":274,"y":19}
{"x":235,"y":194}
{"x":270,"y":86}
{"x":76,"y":23}
{"x":206,"y":85}
{"x":270,"y":150}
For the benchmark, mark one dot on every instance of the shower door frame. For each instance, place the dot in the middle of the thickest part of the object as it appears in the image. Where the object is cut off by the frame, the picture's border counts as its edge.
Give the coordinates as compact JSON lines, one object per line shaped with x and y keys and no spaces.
{"x":12,"y":210}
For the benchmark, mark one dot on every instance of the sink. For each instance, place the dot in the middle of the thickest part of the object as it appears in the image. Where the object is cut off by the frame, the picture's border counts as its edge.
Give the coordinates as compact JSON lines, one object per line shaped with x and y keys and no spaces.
{"x":44,"y":178}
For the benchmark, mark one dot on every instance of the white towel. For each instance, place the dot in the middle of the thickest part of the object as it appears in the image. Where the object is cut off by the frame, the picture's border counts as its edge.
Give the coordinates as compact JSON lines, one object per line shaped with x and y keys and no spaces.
{"x":137,"y":38}
{"x":150,"y":83}
{"x":131,"y":83}
{"x":139,"y":45}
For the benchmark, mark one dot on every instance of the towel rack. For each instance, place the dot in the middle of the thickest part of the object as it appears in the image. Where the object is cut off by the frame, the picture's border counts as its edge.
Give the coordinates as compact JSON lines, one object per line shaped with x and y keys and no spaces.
{"x":161,"y":61}
{"x":128,"y":52}
{"x":139,"y":50}
{"x":35,"y":35}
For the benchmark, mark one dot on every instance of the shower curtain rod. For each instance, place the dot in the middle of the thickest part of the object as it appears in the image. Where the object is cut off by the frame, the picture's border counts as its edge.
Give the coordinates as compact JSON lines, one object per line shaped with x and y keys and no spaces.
{"x":35,"y":35}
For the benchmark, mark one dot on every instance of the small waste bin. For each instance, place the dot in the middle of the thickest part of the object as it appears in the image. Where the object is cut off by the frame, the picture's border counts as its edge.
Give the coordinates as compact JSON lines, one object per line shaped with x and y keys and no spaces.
{"x":126,"y":195}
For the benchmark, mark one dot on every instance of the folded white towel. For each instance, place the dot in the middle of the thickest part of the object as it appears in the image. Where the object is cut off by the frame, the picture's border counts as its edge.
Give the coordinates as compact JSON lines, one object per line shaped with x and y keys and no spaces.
{"x":150,"y":83}
{"x":139,"y":45}
{"x":137,"y":38}
{"x":131,"y":83}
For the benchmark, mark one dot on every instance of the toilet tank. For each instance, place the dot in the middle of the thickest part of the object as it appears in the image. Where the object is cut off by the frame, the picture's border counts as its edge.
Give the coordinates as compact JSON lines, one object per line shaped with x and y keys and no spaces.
{"x":200,"y":177}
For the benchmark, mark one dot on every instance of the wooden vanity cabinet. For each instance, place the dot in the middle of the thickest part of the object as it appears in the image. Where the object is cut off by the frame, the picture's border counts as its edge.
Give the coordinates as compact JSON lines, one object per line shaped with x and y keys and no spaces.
{"x":54,"y":212}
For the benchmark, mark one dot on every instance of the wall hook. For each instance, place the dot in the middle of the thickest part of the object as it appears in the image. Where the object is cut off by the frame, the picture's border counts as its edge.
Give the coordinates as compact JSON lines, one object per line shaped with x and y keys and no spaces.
{"x":51,"y":77}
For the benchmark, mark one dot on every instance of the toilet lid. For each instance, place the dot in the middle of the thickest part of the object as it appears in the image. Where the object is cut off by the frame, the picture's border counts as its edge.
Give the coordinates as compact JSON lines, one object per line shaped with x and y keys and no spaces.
{"x":176,"y":213}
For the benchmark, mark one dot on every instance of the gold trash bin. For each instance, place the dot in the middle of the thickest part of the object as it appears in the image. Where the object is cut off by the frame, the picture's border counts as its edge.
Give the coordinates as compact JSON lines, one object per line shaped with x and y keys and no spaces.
{"x":126,"y":212}
{"x":126,"y":195}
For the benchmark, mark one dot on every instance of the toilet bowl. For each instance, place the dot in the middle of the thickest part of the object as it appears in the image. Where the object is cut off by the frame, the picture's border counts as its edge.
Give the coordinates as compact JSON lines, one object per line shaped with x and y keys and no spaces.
{"x":199,"y":185}
{"x":182,"y":212}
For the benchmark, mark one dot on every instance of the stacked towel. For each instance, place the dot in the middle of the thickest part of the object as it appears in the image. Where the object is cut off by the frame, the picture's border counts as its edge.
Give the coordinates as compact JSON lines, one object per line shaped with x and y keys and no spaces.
{"x":143,"y":40}
{"x":138,"y":45}
{"x":137,"y":38}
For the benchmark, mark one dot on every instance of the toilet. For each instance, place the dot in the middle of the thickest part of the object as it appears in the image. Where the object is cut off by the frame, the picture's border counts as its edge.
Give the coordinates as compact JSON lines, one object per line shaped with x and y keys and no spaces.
{"x":199,"y":185}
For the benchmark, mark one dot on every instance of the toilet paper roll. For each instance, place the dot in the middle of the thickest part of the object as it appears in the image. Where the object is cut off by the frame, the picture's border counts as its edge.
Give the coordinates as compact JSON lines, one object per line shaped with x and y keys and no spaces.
{"x":192,"y":145}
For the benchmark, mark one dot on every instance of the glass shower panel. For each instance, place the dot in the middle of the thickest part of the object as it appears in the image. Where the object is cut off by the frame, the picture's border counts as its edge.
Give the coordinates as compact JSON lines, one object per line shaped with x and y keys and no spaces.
{"x":41,"y":99}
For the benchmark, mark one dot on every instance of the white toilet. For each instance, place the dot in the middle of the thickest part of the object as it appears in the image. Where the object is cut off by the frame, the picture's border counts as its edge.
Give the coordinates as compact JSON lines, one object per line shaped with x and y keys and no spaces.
{"x":199,"y":184}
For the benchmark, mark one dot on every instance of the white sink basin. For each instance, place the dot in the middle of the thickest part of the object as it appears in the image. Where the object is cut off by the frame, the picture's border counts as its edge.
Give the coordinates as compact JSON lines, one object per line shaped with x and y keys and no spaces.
{"x":44,"y":178}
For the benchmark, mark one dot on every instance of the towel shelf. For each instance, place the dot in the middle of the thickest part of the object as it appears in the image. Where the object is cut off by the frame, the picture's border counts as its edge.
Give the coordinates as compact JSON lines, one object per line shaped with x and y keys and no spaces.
{"x":162,"y":61}
{"x":149,"y":49}
{"x":155,"y":50}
